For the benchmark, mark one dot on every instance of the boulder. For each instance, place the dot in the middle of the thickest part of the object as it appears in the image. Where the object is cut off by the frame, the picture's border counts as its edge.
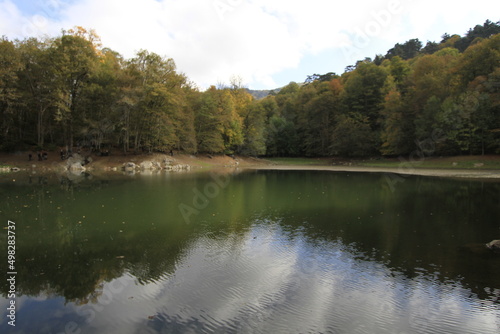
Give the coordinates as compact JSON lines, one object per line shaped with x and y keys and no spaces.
{"x":75,"y":158}
{"x":146,"y":165}
{"x":168,"y":161}
{"x":178,"y":168}
{"x":494,"y":245}
{"x":129,"y":166}
{"x":77,"y":166}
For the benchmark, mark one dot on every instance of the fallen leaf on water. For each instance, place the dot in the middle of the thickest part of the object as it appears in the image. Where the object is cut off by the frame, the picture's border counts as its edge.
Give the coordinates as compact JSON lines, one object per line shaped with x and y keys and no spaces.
{"x":120,"y":257}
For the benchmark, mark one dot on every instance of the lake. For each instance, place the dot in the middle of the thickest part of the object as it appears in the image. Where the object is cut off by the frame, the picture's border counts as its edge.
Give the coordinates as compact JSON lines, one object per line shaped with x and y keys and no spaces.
{"x":250,"y":252}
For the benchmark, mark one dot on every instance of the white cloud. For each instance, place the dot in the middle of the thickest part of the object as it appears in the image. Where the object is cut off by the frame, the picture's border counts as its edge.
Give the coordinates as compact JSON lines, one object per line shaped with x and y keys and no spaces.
{"x":210,"y":40}
{"x":12,"y":22}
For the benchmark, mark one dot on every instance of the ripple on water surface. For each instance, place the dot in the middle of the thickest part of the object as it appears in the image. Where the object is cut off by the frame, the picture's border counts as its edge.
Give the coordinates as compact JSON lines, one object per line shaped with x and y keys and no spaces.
{"x":264,"y":281}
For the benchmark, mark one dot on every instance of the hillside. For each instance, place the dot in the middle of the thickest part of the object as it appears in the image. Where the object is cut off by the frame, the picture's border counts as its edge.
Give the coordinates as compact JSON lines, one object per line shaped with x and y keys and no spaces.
{"x":260,"y":94}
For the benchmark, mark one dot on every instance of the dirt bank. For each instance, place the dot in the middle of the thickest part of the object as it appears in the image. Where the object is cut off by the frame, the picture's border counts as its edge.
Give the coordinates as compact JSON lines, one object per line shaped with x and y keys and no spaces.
{"x":115,"y":162}
{"x":54,"y":163}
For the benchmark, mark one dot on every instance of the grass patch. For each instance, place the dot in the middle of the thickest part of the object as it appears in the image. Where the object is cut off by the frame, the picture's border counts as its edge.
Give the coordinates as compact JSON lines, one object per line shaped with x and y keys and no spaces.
{"x":436,"y":163}
{"x":458,"y":162}
{"x":297,"y":161}
{"x":204,"y":164}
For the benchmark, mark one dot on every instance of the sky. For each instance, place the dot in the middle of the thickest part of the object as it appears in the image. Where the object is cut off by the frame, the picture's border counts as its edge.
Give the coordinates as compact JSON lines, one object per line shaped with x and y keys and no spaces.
{"x":265,"y":43}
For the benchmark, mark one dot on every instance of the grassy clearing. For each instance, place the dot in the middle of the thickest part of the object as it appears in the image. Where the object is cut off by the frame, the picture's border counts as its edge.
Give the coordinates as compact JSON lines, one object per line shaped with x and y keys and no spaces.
{"x":470,"y":162}
{"x":459,"y":162}
{"x":298,"y":161}
{"x":204,"y":164}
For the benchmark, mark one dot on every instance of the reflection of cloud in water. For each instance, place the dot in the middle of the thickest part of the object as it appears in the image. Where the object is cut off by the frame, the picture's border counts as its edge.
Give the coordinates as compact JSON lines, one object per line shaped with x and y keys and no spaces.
{"x":271,"y":281}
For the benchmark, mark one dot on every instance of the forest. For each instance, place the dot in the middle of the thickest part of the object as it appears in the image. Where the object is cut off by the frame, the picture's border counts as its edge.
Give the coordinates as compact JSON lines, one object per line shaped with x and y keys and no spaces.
{"x":70,"y":91}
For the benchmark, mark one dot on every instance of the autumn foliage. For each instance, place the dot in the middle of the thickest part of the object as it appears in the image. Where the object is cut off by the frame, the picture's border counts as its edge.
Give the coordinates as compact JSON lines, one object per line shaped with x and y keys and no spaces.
{"x":70,"y":91}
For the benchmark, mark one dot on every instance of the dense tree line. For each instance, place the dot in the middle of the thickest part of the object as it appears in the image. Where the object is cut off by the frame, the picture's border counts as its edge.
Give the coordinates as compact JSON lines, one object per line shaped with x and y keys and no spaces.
{"x":443,"y":99}
{"x":69,"y":91}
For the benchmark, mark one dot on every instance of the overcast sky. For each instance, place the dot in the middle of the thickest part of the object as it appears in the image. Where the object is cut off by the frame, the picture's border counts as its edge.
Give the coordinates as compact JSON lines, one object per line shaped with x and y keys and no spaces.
{"x":268,"y":43}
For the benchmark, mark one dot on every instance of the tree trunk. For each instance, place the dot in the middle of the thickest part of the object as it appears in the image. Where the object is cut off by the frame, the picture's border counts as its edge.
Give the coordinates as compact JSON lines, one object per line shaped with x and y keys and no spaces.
{"x":136,"y":141}
{"x":126,"y":141}
{"x":70,"y":134}
{"x":40,"y":128}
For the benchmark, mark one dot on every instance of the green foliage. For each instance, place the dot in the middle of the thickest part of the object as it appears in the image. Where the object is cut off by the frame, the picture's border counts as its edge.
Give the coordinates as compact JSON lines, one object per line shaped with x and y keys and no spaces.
{"x":353,"y":136}
{"x":399,"y":69}
{"x":363,"y":90}
{"x":316,"y":120}
{"x":209,"y":123}
{"x":393,"y":135}
{"x":480,"y":59}
{"x":282,"y":137}
{"x":220,"y":120}
{"x":478,"y":33}
{"x":254,"y":133}
{"x":408,"y":50}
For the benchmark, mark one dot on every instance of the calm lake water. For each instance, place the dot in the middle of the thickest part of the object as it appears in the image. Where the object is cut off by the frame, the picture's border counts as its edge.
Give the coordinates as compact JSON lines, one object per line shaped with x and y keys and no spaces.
{"x":251,"y":252}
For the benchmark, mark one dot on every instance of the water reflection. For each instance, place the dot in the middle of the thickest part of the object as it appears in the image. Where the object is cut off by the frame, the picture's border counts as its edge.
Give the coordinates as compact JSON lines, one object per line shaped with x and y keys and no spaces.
{"x":274,"y":252}
{"x":271,"y":280}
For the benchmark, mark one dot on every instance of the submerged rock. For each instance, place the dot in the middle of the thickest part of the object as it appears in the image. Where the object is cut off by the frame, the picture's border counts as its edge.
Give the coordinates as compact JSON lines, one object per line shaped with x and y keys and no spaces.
{"x":129,"y":167}
{"x":178,"y":168}
{"x":484,"y":250}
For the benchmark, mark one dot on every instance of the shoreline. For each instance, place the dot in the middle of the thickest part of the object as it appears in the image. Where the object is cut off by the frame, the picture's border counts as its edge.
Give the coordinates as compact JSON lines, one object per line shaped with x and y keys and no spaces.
{"x":113,"y":165}
{"x":437,"y":172}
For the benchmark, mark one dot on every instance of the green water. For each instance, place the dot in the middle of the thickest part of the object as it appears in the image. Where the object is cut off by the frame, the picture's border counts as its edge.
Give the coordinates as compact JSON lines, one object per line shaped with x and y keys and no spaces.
{"x":251,"y":252}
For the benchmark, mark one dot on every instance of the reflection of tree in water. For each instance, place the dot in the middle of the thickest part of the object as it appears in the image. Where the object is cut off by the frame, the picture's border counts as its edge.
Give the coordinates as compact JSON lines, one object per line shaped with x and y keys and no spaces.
{"x":59,"y":256}
{"x":78,"y":269}
{"x":434,"y":232}
{"x":71,"y":180}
